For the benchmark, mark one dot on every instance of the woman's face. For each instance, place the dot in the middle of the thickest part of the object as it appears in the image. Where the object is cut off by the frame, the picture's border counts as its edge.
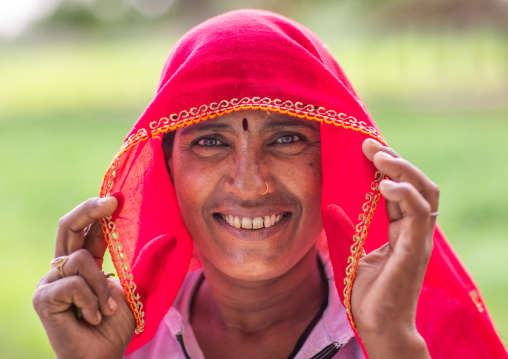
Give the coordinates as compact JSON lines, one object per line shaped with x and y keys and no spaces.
{"x":221,"y":169}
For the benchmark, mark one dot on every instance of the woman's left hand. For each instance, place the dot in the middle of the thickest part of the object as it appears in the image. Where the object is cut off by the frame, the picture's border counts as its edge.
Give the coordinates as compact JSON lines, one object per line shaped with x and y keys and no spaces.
{"x":389,"y":279}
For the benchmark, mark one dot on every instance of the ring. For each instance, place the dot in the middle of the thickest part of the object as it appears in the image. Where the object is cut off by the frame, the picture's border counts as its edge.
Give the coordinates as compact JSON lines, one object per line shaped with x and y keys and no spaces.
{"x":87,"y":229}
{"x":433,"y":214}
{"x":58,"y":264}
{"x":108,"y":274}
{"x":265,"y":192}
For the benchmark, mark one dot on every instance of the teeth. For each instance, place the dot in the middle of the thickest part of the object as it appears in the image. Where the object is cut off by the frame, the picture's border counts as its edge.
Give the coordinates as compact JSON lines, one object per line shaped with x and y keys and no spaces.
{"x":246,"y":223}
{"x":252,"y":223}
{"x":257,"y":223}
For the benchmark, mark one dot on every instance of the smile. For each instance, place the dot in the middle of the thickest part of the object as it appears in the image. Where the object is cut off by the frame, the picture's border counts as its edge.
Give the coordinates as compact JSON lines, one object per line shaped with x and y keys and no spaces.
{"x":252,"y":223}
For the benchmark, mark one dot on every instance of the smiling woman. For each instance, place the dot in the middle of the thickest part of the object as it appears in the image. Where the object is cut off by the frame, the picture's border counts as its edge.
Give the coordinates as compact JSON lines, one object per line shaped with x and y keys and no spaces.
{"x":239,"y":164}
{"x":255,"y":211}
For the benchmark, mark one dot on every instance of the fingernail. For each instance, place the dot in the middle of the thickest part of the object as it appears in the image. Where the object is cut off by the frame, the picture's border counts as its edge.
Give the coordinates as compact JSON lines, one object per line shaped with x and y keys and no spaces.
{"x":103,"y":200}
{"x":387,"y":184}
{"x":112,"y":304}
{"x":99,"y":317}
{"x":385,"y":155}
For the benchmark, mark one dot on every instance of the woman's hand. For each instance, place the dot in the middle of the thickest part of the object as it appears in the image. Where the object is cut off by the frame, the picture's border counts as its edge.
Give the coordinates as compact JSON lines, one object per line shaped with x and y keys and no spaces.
{"x":107,"y":323}
{"x":389,"y":279}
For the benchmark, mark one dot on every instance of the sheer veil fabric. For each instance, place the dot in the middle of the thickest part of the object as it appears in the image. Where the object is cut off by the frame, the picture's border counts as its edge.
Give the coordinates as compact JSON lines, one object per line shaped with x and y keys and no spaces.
{"x":252,"y":59}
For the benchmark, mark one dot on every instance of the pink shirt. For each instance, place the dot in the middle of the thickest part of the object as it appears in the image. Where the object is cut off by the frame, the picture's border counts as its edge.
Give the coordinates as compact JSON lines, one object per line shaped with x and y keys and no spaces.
{"x":332,"y":337}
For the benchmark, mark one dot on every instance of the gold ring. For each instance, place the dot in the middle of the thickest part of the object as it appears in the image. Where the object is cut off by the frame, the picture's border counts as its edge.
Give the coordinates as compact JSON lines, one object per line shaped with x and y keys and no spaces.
{"x":265,"y":192}
{"x":433,"y":214}
{"x":58,"y":264}
{"x":108,"y":274}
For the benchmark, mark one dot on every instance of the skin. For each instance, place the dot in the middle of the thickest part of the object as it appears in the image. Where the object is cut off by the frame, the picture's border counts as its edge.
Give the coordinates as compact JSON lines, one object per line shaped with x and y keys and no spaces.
{"x":252,"y":277}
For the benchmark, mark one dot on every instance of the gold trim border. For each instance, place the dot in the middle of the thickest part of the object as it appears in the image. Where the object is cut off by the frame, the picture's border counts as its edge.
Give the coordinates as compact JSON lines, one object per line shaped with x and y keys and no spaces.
{"x":361,"y":230}
{"x":116,"y":251}
{"x":213,"y":110}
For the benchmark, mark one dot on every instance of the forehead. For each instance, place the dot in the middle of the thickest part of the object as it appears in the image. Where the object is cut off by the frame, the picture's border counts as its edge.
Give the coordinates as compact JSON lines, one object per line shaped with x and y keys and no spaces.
{"x":257,"y":120}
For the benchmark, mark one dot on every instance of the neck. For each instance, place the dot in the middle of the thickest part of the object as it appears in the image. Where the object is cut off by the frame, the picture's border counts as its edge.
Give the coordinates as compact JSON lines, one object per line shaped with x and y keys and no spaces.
{"x":248,"y":307}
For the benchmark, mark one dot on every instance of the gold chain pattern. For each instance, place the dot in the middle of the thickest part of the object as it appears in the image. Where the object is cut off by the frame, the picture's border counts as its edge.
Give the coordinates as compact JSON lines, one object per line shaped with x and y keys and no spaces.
{"x":297,"y":109}
{"x":476,"y":300}
{"x":119,"y":258}
{"x":361,"y":230}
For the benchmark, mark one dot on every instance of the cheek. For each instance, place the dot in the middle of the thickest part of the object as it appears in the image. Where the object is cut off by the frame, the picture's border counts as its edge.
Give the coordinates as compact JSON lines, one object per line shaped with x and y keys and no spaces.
{"x":192,"y":190}
{"x":308,"y":183}
{"x":302,"y":176}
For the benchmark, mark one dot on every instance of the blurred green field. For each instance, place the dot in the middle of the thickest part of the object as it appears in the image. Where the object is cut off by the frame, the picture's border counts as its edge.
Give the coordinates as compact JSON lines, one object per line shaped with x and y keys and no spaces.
{"x":65,"y":109}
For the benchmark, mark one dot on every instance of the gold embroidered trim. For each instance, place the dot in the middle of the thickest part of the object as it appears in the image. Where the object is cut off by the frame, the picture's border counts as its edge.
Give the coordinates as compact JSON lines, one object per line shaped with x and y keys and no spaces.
{"x":476,"y":300}
{"x":205,"y":112}
{"x":297,"y":109}
{"x":119,"y":258}
{"x":361,"y":230}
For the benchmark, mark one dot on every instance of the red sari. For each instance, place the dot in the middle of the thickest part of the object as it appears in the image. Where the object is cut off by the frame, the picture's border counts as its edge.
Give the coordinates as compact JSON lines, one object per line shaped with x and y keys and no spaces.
{"x":254,"y":59}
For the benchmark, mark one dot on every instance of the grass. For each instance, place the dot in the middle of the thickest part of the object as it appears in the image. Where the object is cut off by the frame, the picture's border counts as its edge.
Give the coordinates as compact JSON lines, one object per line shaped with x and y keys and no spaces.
{"x":51,"y":165}
{"x":65,"y":109}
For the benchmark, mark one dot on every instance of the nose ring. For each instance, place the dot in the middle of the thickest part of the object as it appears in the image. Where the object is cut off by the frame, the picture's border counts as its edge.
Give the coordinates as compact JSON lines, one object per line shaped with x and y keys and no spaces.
{"x":265,"y":192}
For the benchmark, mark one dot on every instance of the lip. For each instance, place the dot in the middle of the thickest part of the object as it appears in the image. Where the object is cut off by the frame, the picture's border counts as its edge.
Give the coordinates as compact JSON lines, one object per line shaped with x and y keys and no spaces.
{"x":253,"y":234}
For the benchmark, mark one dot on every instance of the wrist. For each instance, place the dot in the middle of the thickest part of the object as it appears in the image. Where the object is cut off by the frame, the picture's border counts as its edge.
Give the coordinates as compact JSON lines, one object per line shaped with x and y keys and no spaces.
{"x":391,"y":345}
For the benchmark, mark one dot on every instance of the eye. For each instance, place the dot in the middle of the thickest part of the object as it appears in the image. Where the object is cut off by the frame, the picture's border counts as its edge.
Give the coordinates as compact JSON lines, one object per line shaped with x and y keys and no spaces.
{"x":288,"y":139}
{"x":209,"y":142}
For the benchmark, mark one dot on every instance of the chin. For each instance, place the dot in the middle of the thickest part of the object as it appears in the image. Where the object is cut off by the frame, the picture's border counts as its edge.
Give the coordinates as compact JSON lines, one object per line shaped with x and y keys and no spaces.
{"x":252,"y":266}
{"x":255,"y":266}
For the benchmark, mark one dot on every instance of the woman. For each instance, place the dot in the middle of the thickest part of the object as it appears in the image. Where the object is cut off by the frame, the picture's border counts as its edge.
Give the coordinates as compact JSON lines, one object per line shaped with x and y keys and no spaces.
{"x":256,"y":151}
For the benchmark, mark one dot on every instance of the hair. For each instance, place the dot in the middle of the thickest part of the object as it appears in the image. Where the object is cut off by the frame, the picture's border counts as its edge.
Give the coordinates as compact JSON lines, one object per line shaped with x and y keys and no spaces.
{"x":167,"y":144}
{"x":167,"y":148}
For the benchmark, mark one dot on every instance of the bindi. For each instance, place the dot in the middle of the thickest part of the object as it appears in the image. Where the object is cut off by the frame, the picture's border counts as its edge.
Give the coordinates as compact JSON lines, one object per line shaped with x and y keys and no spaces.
{"x":245,"y":124}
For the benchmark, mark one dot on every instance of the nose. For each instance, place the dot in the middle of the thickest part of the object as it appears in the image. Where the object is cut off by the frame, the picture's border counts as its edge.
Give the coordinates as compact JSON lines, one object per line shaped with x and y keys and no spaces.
{"x":245,"y":179}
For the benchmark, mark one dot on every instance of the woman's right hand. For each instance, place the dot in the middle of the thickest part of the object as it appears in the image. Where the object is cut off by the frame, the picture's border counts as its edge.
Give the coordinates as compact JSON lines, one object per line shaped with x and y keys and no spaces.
{"x":107,"y":323}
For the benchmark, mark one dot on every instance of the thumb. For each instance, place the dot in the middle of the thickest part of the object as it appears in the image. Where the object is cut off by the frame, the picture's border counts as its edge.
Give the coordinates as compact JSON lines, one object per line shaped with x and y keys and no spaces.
{"x":94,"y":240}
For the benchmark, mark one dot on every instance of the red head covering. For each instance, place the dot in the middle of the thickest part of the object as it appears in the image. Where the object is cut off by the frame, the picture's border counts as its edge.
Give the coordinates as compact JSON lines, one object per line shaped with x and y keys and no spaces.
{"x":259,"y":60}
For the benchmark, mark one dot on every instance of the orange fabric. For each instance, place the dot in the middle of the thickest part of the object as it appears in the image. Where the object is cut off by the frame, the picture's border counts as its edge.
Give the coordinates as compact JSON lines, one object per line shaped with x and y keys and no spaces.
{"x":253,"y":59}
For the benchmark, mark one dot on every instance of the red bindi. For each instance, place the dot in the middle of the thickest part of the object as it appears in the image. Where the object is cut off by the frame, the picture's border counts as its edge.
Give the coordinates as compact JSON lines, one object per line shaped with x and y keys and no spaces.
{"x":245,"y":124}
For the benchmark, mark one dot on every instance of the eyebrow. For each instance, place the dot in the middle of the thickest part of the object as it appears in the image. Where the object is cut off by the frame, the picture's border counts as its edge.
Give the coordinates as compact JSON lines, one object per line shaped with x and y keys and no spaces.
{"x":275,"y":122}
{"x":206,"y":126}
{"x":278,"y":122}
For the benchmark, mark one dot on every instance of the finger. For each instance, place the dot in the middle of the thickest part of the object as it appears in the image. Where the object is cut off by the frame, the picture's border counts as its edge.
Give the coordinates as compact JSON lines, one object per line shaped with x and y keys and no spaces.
{"x":412,"y":246}
{"x":416,"y":226}
{"x":82,"y":264}
{"x":95,"y":243}
{"x":400,"y":170}
{"x":393,"y":211}
{"x":71,"y":227}
{"x":370,"y":147}
{"x":58,"y":298}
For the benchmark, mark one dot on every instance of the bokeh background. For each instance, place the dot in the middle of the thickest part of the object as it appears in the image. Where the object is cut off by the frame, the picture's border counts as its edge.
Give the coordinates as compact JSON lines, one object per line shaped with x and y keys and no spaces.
{"x":76,"y":74}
